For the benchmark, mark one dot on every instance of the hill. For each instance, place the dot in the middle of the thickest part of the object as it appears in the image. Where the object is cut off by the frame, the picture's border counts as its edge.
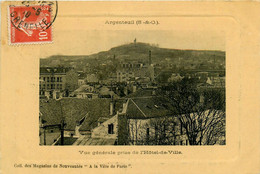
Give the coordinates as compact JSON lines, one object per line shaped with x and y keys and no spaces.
{"x":134,"y":52}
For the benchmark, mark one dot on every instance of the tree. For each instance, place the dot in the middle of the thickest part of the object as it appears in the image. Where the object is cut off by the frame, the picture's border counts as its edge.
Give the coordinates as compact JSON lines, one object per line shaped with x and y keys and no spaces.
{"x":201,"y":112}
{"x":153,"y":131}
{"x":71,"y":83}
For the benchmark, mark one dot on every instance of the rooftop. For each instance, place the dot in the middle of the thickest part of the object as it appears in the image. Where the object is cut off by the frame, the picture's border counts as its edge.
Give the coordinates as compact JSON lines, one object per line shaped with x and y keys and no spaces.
{"x":149,"y":107}
{"x":54,"y":70}
{"x":74,"y":110}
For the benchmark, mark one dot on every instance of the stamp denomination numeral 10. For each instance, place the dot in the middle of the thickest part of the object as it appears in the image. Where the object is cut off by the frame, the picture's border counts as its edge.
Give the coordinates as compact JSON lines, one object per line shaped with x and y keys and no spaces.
{"x":43,"y":35}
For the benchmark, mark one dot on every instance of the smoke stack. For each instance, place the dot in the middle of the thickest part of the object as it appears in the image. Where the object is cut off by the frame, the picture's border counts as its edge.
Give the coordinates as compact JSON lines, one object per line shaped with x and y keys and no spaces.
{"x":150,"y":57}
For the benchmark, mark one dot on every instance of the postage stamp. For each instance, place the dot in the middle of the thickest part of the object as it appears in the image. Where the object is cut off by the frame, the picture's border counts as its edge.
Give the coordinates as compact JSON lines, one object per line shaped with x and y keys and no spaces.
{"x":31,"y":22}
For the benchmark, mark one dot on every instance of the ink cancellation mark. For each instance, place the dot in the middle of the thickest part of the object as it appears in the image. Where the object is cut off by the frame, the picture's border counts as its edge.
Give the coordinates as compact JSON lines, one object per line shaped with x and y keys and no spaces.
{"x":31,"y":22}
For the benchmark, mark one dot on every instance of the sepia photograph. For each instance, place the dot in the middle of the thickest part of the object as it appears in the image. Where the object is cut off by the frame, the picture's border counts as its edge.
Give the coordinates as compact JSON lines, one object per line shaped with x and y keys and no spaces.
{"x":129,"y":87}
{"x":134,"y":88}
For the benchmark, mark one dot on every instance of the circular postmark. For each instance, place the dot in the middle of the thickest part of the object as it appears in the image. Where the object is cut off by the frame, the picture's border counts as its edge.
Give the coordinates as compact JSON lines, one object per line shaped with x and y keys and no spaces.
{"x":33,"y":15}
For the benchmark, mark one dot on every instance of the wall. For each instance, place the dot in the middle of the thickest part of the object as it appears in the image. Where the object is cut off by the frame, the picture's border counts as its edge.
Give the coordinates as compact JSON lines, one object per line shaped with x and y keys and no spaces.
{"x":46,"y":85}
{"x":102,"y":130}
{"x":158,"y":134}
{"x":123,"y":132}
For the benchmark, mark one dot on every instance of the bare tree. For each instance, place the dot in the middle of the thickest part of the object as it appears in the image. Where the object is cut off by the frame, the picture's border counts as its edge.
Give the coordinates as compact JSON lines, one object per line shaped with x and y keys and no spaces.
{"x":201,"y":112}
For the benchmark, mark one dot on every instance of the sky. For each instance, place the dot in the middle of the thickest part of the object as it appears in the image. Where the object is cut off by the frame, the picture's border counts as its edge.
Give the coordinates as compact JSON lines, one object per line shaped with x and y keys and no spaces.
{"x":86,"y":42}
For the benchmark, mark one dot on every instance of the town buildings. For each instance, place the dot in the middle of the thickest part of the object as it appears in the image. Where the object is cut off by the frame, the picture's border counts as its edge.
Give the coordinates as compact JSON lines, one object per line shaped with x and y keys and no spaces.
{"x":121,"y":102}
{"x":143,"y":71}
{"x":53,"y":81}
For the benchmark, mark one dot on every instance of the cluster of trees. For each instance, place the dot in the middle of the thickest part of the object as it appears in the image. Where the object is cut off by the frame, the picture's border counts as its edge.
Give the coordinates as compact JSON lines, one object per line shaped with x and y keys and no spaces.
{"x":201,"y":112}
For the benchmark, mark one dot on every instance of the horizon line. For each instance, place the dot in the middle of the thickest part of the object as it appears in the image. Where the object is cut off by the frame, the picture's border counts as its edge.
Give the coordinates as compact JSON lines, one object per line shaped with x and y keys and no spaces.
{"x":151,"y":44}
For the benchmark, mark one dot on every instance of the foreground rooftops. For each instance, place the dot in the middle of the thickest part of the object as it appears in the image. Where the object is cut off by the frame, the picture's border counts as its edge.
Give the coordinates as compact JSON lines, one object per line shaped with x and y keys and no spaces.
{"x":148,"y":107}
{"x":73,"y":110}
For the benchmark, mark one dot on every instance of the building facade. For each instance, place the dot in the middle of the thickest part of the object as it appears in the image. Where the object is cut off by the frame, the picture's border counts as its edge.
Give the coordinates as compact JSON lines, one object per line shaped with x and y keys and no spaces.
{"x":53,"y":81}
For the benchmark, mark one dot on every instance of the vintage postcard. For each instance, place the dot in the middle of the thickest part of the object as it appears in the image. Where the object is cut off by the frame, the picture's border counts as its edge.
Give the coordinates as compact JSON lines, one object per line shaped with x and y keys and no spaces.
{"x":129,"y":87}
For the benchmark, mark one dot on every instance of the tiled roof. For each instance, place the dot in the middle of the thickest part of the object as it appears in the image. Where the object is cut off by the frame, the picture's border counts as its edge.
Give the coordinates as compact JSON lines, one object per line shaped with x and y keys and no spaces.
{"x":86,"y":140}
{"x":140,"y":93}
{"x":73,"y":110}
{"x":149,"y":107}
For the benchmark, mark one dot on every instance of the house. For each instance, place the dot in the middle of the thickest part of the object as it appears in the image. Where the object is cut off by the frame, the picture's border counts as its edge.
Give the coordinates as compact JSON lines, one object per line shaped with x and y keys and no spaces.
{"x":81,"y":78}
{"x":84,"y":120}
{"x":144,"y":117}
{"x":106,"y":132}
{"x":175,"y":77}
{"x":92,"y":78}
{"x":72,"y":111}
{"x":86,"y":91}
{"x":153,"y":121}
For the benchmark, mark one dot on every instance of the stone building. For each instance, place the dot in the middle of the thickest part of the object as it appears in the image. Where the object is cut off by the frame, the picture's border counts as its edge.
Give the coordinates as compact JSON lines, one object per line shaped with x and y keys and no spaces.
{"x":55,"y":80}
{"x":136,"y":70}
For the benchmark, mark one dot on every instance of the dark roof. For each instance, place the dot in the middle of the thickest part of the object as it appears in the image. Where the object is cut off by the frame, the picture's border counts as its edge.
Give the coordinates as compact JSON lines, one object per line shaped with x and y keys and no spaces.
{"x":119,"y":104}
{"x":81,"y":75}
{"x":54,"y":70}
{"x":141,"y":93}
{"x":94,"y":141}
{"x":73,"y":110}
{"x":149,"y":107}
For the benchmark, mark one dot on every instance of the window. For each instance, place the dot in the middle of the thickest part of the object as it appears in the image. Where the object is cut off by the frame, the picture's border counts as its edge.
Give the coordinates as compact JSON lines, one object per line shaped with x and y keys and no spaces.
{"x":60,"y":79}
{"x":60,"y":86}
{"x":43,"y":86}
{"x":43,"y":78}
{"x":48,"y":79}
{"x":111,"y":129}
{"x":147,"y":135}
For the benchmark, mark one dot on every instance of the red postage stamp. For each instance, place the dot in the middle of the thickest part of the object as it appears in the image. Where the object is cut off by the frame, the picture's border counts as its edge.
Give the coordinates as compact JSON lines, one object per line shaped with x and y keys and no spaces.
{"x":31,"y":23}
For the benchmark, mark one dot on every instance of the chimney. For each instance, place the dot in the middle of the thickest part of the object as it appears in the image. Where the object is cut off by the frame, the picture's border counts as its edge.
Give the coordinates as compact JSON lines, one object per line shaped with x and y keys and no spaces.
{"x":125,"y":90}
{"x":134,"y":88}
{"x":77,"y":133}
{"x":112,"y":108}
{"x":125,"y":105}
